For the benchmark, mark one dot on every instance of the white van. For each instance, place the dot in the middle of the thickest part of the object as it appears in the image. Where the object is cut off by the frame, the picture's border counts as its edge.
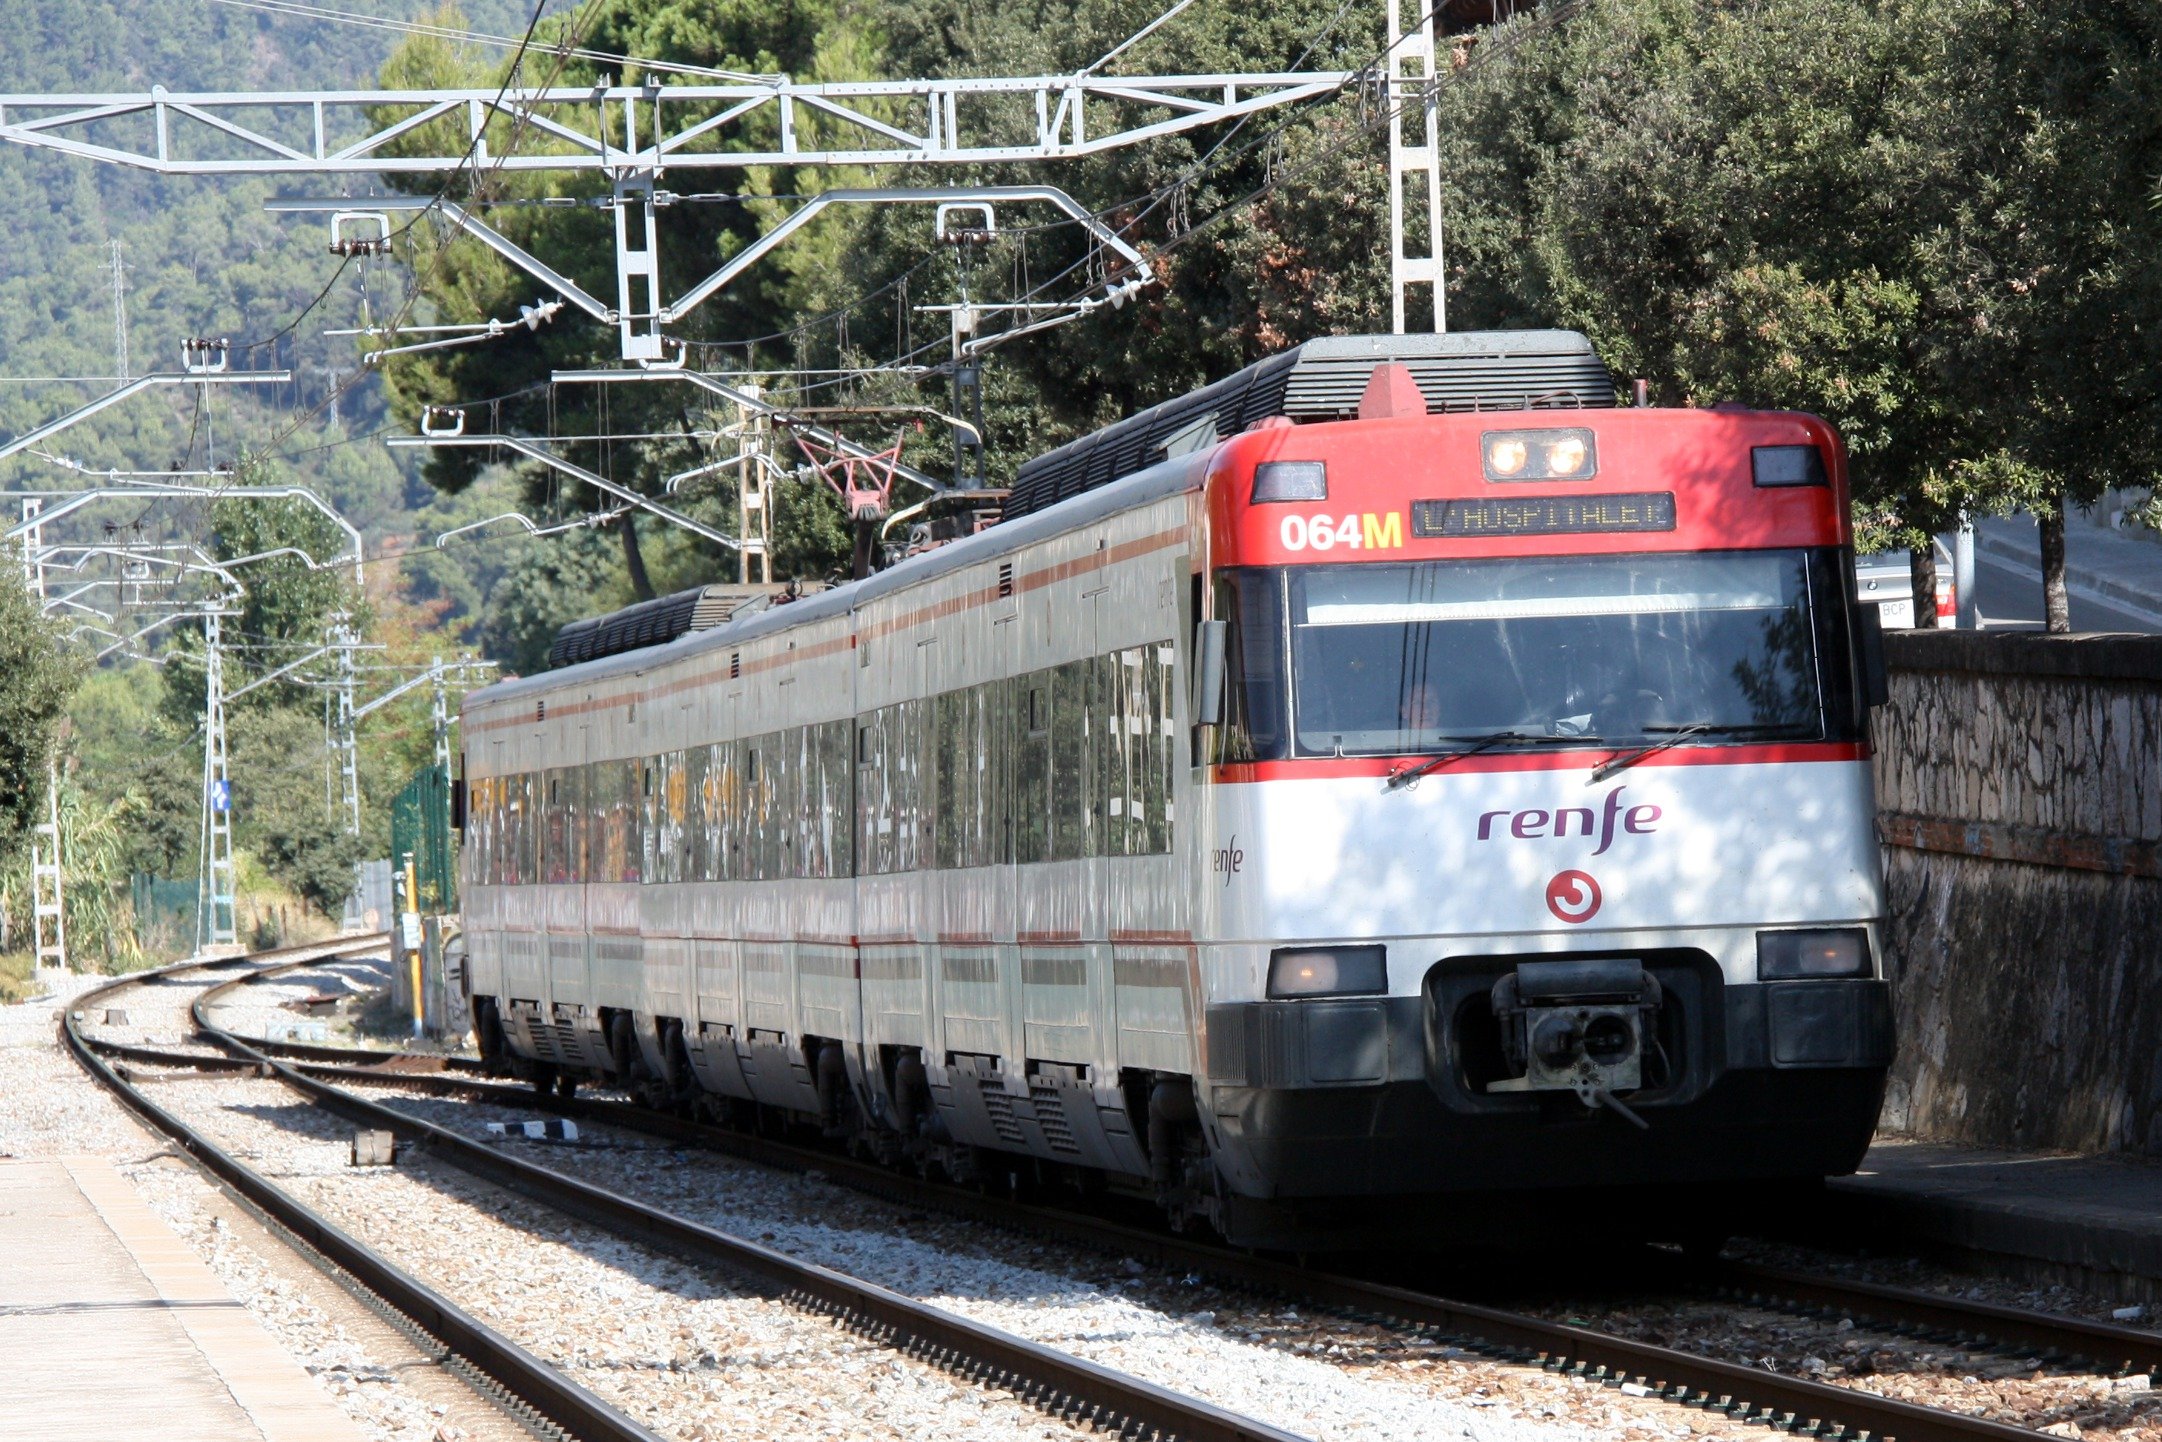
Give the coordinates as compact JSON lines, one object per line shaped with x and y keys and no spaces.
{"x":1885,"y":579}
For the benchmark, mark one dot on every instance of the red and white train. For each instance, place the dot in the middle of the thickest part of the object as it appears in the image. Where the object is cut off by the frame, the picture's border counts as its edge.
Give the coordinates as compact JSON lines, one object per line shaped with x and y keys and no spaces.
{"x":1391,"y":775}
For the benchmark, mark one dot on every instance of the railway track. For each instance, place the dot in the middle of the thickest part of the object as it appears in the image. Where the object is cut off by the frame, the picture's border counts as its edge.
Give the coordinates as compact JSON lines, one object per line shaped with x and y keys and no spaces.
{"x":533,"y":1393}
{"x":1744,"y":1393}
{"x":1068,"y":1388}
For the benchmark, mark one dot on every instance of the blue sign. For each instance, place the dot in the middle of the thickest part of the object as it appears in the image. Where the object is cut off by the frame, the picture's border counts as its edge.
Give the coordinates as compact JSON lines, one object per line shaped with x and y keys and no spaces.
{"x":221,"y":796}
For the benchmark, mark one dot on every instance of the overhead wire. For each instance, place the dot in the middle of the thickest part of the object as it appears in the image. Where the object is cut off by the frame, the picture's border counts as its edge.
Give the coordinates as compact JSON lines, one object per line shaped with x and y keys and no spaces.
{"x":295,"y":9}
{"x":413,"y":294}
{"x":338,"y":390}
{"x":1384,"y":115}
{"x":1135,"y":39}
{"x":1212,"y":160}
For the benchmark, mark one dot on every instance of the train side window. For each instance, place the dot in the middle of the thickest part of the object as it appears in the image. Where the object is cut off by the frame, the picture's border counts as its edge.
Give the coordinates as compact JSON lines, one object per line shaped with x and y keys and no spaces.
{"x":1160,"y":730}
{"x":547,"y":824}
{"x":918,"y":789}
{"x":1254,"y":667}
{"x":667,"y":833}
{"x":950,"y":826}
{"x":761,"y":823}
{"x":795,"y":764}
{"x":630,"y":807}
{"x":513,"y":846}
{"x":1027,"y":703}
{"x":562,"y":831}
{"x":874,"y":797}
{"x":1107,"y":819}
{"x":788,"y":791}
{"x":482,"y":859}
{"x":502,"y":853}
{"x":614,"y":797}
{"x":588,"y":827}
{"x":1070,"y":829}
{"x":828,"y":805}
{"x":696,"y":846}
{"x":727,"y":783}
{"x":653,"y":854}
{"x":972,"y":804}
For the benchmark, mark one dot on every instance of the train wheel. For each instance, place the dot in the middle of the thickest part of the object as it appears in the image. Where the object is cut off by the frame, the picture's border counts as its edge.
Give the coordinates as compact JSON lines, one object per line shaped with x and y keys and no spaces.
{"x":543,"y":1077}
{"x":566,"y":1086}
{"x":488,"y":1032}
{"x":679,"y":1084}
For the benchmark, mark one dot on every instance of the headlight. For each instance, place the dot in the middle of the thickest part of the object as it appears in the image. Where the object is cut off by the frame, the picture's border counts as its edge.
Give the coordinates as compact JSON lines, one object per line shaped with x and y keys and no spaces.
{"x":1328,"y":971}
{"x":1290,"y":481}
{"x":1561,"y":454}
{"x":1796,"y":955}
{"x":1505,"y":456}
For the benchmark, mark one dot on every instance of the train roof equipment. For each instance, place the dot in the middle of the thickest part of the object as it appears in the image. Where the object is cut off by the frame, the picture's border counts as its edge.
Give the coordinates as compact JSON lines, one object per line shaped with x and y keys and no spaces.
{"x":663,"y":619}
{"x":1322,"y":380}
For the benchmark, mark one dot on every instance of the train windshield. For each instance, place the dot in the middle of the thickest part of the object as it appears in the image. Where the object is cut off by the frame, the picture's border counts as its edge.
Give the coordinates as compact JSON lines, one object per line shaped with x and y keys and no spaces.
{"x":1407,"y":658}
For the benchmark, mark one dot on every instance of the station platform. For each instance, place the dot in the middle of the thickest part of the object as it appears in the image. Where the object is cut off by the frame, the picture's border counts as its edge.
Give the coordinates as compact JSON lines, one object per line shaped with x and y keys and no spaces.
{"x":111,"y":1328}
{"x":2091,"y":1221}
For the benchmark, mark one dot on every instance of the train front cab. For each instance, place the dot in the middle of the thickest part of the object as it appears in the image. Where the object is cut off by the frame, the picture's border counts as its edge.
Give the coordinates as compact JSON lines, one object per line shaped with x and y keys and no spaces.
{"x":1539,"y":813}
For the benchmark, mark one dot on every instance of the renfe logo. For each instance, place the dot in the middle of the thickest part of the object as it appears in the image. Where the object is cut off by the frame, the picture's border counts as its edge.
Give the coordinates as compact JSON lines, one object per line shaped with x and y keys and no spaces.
{"x":1573,"y":896}
{"x":1534,"y":824}
{"x":1226,"y":860}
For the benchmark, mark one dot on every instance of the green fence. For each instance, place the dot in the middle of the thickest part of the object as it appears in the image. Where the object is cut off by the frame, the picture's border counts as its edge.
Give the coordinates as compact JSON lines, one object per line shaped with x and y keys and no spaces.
{"x":420,"y":826}
{"x":164,"y":911}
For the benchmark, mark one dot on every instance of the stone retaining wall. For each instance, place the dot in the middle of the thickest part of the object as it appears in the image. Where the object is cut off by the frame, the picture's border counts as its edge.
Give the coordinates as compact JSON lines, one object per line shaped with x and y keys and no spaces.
{"x":2019,"y":782}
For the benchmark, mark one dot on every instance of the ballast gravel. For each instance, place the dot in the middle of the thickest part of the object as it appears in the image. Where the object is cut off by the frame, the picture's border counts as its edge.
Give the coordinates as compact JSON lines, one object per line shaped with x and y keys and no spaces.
{"x":1319,"y":1376}
{"x":672,"y":1345}
{"x":53,"y":1108}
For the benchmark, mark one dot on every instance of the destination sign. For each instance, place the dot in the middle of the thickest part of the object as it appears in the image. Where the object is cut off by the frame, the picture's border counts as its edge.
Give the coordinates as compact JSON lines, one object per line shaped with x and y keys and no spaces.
{"x":1543,"y":515}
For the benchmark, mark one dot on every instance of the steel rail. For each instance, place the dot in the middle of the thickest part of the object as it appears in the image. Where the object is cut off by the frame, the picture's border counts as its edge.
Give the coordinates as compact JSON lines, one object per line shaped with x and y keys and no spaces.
{"x":530,"y":1386}
{"x":1065,"y":1386}
{"x":1746,"y":1393}
{"x":2106,"y":1344}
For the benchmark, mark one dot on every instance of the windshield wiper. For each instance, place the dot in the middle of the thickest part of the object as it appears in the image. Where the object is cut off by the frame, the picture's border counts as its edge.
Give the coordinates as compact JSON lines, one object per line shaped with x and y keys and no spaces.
{"x":1679,"y":734}
{"x":1411,"y":771}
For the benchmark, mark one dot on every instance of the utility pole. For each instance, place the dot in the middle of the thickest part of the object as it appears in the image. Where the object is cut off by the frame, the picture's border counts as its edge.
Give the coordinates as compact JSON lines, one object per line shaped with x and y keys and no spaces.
{"x":343,"y":639}
{"x":120,"y":314}
{"x":754,"y":510}
{"x":214,"y":920}
{"x":439,"y":707}
{"x":345,"y":754}
{"x":48,"y":909}
{"x":1412,"y":93}
{"x":967,"y":400}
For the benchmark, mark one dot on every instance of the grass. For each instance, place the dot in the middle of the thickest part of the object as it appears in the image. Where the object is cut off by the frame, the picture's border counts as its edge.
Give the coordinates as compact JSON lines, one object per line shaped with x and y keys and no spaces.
{"x":15,"y":969}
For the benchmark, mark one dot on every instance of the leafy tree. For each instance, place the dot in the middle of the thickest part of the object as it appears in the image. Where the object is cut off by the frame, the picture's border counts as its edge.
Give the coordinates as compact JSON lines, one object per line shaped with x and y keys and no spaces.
{"x":553,"y":583}
{"x":278,"y":763}
{"x":94,"y":850}
{"x":463,"y":282}
{"x":37,"y":675}
{"x":810,"y":532}
{"x":1908,"y":218}
{"x":2049,"y":123}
